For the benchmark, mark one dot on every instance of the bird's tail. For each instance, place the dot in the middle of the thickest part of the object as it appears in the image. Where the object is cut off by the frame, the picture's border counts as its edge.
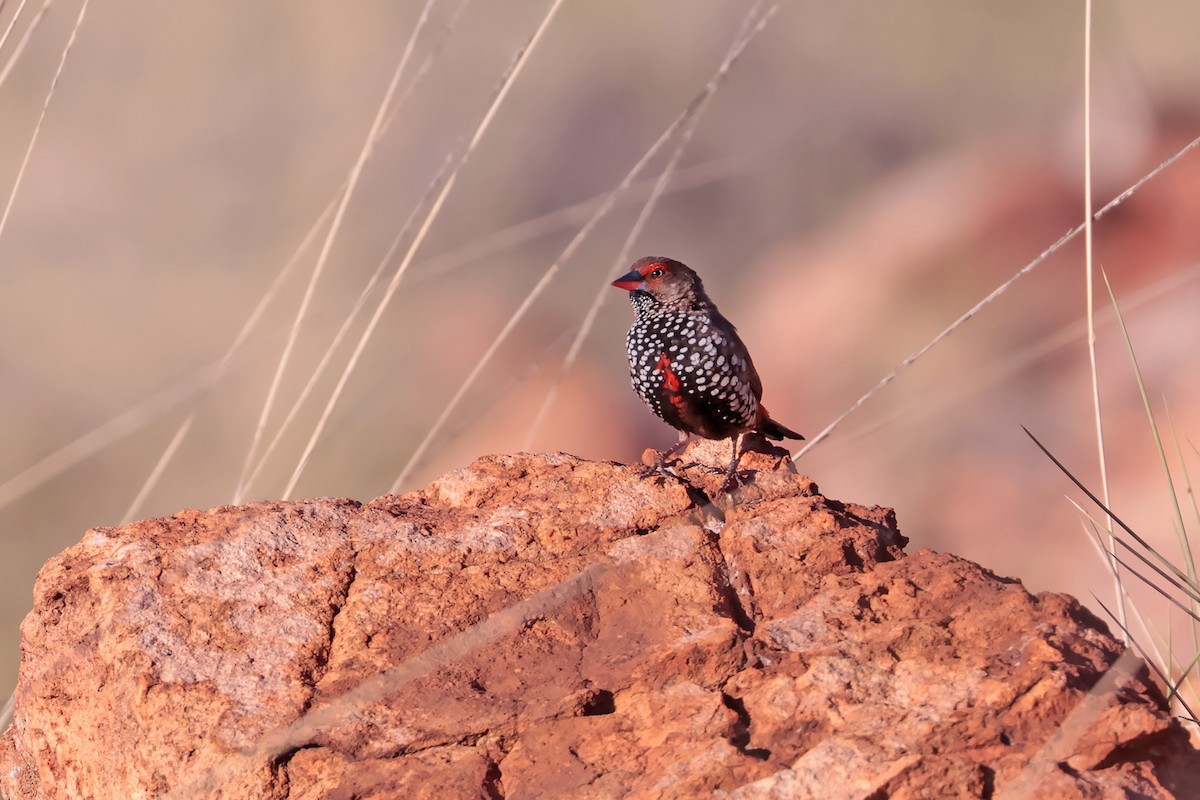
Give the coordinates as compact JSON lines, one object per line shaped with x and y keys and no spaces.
{"x":772,"y":429}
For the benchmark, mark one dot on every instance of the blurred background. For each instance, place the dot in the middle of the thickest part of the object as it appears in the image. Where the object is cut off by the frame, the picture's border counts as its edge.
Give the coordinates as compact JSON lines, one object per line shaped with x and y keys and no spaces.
{"x":865,"y":174}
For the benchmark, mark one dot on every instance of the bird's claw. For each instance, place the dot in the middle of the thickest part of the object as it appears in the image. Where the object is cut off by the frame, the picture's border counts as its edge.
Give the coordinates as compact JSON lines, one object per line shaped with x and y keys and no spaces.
{"x":653,"y":469}
{"x":659,"y":467}
{"x":733,"y":480}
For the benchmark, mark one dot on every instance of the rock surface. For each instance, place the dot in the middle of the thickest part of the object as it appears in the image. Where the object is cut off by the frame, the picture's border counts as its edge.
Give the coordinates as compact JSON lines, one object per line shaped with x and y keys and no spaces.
{"x":541,"y":626}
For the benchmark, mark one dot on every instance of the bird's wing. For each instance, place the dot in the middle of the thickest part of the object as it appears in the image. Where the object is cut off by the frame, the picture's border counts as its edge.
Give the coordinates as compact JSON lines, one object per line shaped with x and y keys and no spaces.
{"x":737,"y":345}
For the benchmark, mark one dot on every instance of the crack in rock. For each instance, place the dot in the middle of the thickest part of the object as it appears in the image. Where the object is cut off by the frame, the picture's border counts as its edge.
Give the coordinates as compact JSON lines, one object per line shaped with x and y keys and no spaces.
{"x":740,"y":737}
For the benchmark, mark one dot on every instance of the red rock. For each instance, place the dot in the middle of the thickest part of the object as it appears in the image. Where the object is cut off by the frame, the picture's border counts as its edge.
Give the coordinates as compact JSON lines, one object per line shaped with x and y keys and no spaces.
{"x":542,"y":626}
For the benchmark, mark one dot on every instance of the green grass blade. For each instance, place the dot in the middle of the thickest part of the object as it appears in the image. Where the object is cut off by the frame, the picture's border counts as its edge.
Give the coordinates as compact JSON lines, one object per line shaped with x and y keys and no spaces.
{"x":1180,"y":529}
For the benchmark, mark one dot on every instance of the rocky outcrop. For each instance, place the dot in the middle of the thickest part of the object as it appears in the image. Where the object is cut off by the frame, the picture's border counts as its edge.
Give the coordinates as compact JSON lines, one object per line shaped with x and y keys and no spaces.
{"x":542,"y":626}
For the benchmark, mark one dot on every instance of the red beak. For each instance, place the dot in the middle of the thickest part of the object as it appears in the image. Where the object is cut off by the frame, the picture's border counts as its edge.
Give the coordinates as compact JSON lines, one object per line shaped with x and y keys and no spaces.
{"x":629,"y":281}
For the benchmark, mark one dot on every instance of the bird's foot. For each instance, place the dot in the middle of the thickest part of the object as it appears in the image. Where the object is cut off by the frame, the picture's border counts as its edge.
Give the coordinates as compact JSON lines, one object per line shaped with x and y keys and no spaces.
{"x":653,"y":469}
{"x":732,"y":481}
{"x":660,"y":463}
{"x":660,"y":470}
{"x":731,"y":472}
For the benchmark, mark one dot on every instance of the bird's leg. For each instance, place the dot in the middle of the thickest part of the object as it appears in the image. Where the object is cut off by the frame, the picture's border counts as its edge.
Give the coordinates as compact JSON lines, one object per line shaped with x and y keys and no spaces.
{"x":731,"y":472}
{"x":657,"y":466}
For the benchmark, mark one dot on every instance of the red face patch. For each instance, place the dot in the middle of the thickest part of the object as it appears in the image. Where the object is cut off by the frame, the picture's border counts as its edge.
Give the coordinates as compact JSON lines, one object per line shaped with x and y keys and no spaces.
{"x":651,"y":274}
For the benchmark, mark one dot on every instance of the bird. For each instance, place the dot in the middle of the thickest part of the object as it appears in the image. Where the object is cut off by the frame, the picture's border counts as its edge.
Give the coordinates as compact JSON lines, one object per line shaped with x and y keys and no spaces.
{"x":688,"y":363}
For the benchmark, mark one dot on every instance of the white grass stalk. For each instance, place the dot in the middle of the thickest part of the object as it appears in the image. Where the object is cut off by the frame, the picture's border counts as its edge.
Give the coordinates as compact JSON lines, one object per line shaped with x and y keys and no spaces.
{"x":6,"y":713}
{"x":418,"y":240}
{"x":133,"y":419}
{"x":991,"y":296}
{"x":102,"y":436}
{"x":12,"y":23}
{"x":219,"y":369}
{"x":25,"y":37}
{"x":247,"y":481}
{"x":181,"y":433}
{"x":343,"y":329}
{"x":364,"y":153}
{"x":996,"y":371}
{"x":1109,"y":559}
{"x":37,"y":129}
{"x":1088,"y":223}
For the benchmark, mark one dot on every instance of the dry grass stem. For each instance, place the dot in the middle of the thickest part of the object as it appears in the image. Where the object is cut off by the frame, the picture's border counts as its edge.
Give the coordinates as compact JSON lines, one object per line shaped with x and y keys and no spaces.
{"x":25,"y":37}
{"x":991,"y":296}
{"x":381,"y":114}
{"x":502,"y":92}
{"x":37,"y":128}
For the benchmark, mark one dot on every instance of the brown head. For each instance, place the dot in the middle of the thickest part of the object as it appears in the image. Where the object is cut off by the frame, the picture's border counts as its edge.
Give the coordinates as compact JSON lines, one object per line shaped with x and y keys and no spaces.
{"x":670,"y":283}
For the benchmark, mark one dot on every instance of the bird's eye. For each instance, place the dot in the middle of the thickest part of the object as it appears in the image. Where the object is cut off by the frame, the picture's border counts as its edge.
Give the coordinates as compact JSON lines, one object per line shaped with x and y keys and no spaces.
{"x":657,"y":273}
